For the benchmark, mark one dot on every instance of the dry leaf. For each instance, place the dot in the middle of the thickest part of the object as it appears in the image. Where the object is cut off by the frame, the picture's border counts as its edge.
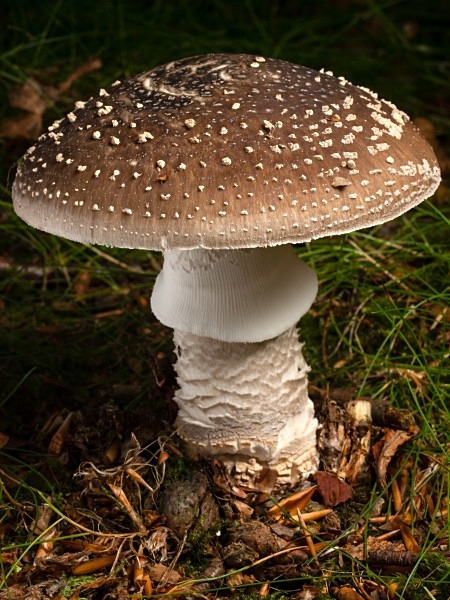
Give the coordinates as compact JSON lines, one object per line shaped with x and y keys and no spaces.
{"x":333,"y":490}
{"x":112,"y":453}
{"x":122,"y":498}
{"x":141,"y":577}
{"x":45,"y":548}
{"x":266,"y":480}
{"x":348,"y":593}
{"x":244,"y":510}
{"x":396,"y":496}
{"x":29,"y":97}
{"x":408,"y":539}
{"x":28,"y":127}
{"x":143,"y":581}
{"x":61,"y":436}
{"x":315,"y":515}
{"x":43,"y":518}
{"x":34,"y":98}
{"x":96,"y":564}
{"x":223,"y":481}
{"x":139,"y":479}
{"x":389,"y":445}
{"x":159,"y":572}
{"x":163,"y":457}
{"x":293,"y":502}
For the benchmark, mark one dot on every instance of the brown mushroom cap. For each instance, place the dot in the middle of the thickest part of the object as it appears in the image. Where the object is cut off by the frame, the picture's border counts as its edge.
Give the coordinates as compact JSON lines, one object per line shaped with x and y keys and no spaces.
{"x":224,"y":151}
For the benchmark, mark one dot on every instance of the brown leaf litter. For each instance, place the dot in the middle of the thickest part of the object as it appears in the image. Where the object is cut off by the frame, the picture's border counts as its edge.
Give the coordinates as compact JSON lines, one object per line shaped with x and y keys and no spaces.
{"x":150,"y":529}
{"x":34,"y":97}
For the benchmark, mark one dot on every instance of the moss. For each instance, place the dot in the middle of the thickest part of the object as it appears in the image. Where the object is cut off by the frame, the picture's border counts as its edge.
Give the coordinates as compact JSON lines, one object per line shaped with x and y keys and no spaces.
{"x":432,"y":578}
{"x":73,"y":583}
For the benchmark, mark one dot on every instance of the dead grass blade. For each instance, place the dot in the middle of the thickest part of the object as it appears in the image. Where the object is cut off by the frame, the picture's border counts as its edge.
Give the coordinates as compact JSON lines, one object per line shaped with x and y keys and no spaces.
{"x":122,"y":498}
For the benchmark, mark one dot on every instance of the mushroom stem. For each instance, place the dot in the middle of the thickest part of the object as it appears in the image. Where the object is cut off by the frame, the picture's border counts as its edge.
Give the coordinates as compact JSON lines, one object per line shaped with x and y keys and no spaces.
{"x":243,"y":379}
{"x":247,"y":403}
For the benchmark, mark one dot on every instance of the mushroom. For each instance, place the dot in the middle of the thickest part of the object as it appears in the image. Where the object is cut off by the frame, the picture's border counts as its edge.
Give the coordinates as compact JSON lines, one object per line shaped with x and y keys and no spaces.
{"x":222,"y":162}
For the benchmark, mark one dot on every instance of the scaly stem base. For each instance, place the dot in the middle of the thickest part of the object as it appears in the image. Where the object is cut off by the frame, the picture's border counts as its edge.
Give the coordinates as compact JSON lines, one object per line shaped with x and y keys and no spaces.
{"x":247,"y":403}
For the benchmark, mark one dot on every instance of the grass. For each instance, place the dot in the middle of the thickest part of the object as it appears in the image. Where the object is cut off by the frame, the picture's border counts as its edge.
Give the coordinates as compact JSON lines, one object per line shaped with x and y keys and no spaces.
{"x":77,"y":334}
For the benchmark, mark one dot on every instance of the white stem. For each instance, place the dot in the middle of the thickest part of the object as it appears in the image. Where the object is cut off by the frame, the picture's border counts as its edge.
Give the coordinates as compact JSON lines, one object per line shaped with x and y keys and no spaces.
{"x":247,"y":403}
{"x":243,"y":381}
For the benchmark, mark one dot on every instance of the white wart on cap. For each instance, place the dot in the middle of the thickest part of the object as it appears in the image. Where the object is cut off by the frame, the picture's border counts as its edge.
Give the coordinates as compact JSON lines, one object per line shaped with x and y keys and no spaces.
{"x":224,"y":151}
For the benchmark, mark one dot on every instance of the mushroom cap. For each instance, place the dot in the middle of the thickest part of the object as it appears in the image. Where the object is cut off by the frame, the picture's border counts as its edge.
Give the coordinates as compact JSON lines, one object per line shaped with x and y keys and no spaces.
{"x":224,"y":151}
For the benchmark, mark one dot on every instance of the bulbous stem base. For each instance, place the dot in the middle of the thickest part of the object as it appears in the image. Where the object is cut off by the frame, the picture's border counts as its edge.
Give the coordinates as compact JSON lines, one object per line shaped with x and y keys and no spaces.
{"x":247,"y":404}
